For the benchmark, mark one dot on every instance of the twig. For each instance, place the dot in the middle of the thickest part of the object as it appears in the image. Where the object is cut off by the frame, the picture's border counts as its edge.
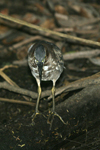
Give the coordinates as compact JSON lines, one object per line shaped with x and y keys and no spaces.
{"x":15,"y":46}
{"x":79,"y":31}
{"x":20,"y":62}
{"x":5,"y":85}
{"x":16,"y":101}
{"x":8,"y":66}
{"x":19,"y":90}
{"x":94,"y":20}
{"x":87,"y":42}
{"x":8,"y":79}
{"x":82,"y":54}
{"x":27,"y":41}
{"x":64,"y":29}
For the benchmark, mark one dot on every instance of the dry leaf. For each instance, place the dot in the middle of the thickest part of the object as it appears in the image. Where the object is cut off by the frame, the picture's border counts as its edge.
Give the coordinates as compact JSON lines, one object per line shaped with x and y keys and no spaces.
{"x":60,"y":9}
{"x":29,"y":17}
{"x":49,"y":23}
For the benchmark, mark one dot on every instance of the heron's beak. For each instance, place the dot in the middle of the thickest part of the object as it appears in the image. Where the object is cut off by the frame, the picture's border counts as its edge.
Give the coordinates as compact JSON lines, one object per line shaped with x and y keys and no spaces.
{"x":40,"y":67}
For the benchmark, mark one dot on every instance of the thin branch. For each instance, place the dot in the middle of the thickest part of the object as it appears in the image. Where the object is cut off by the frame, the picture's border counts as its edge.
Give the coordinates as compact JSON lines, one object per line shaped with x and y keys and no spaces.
{"x":16,"y":101}
{"x":27,"y":41}
{"x":8,"y":66}
{"x":81,"y":54}
{"x":91,"y":21}
{"x":8,"y":79}
{"x":19,"y":90}
{"x":88,"y":42}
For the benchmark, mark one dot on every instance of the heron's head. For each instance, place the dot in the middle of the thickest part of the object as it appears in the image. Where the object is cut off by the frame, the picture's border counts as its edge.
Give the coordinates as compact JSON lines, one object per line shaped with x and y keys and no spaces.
{"x":40,"y":55}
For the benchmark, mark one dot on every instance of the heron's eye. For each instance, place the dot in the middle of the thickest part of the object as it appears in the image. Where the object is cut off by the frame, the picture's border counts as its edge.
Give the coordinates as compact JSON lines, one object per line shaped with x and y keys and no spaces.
{"x":36,"y":60}
{"x":44,"y":59}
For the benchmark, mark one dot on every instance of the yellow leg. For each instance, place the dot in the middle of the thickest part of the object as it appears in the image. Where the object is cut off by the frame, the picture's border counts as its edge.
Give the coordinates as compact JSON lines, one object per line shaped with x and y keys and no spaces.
{"x":53,"y":97}
{"x":38,"y":99}
{"x":37,"y":105}
{"x":53,"y":112}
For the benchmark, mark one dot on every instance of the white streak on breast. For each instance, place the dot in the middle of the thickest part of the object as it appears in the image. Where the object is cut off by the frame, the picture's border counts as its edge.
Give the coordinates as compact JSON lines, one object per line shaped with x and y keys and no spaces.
{"x":45,"y":68}
{"x":34,"y":68}
{"x":57,"y":68}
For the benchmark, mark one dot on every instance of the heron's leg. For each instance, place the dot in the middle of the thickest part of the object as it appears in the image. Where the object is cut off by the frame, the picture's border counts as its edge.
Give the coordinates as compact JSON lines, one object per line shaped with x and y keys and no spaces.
{"x":38,"y":99}
{"x":53,"y":112}
{"x":53,"y":98}
{"x":37,"y":103}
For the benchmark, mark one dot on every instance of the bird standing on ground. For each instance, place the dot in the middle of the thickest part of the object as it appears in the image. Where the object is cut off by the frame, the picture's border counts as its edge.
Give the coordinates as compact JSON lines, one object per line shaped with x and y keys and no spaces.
{"x":46,"y":63}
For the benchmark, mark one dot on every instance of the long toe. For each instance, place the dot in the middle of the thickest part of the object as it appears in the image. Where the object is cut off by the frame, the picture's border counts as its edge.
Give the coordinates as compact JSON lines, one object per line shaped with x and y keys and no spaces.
{"x":35,"y":114}
{"x":51,"y":116}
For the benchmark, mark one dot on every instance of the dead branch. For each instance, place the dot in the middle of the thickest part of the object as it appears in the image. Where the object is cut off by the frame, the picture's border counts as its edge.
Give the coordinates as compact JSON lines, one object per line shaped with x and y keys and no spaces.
{"x":20,"y":62}
{"x":79,"y":84}
{"x":93,"y":20}
{"x":64,"y":29}
{"x":8,"y":79}
{"x":27,"y":41}
{"x":19,"y":90}
{"x":87,"y":42}
{"x":15,"y":46}
{"x":83,"y":54}
{"x":16,"y":101}
{"x":79,"y":31}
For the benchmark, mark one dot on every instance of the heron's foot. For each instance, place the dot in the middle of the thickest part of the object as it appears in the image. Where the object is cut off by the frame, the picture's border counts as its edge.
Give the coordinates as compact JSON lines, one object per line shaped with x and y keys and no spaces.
{"x":35,"y":114}
{"x":51,"y":116}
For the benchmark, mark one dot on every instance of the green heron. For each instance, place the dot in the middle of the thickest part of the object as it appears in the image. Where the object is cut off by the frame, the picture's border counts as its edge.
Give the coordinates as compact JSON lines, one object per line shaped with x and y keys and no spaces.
{"x":46,"y":63}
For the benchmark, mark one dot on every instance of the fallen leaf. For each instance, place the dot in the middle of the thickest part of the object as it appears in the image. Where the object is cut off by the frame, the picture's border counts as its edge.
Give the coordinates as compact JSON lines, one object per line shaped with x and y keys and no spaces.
{"x":49,"y":23}
{"x":29,"y":17}
{"x":60,"y":9}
